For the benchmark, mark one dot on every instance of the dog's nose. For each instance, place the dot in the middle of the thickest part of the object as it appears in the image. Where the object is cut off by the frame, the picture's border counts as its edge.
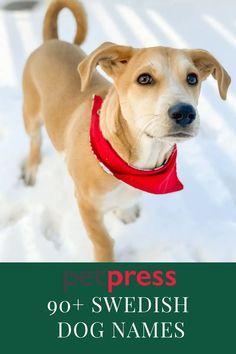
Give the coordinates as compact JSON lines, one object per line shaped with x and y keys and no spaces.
{"x":182,"y":113}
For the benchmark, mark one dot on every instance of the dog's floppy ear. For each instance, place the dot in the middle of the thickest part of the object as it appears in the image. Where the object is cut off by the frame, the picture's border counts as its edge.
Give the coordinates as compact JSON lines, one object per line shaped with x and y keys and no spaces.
{"x":111,"y":57}
{"x":207,"y":64}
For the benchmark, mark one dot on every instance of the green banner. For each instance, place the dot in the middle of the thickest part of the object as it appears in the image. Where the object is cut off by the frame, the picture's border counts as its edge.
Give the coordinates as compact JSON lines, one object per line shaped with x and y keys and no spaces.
{"x":86,"y":308}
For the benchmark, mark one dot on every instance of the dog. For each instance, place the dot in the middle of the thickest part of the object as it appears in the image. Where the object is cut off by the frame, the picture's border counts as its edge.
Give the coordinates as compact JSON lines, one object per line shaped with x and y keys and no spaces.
{"x":150,"y":106}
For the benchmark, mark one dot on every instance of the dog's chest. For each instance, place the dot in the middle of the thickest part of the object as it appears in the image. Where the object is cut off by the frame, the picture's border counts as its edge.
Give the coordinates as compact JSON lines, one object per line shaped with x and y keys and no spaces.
{"x":123,"y":196}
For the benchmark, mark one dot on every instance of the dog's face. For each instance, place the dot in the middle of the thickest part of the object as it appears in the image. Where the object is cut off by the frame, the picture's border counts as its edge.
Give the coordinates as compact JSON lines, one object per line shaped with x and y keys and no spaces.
{"x":158,"y":87}
{"x":159,"y":93}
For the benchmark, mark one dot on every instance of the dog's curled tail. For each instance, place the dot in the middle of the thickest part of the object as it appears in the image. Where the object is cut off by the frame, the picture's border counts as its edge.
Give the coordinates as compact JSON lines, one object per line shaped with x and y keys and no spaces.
{"x":50,"y":20}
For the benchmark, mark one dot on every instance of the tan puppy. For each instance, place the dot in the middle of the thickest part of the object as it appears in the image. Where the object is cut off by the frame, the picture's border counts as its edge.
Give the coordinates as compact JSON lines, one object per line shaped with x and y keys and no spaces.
{"x":151,"y":105}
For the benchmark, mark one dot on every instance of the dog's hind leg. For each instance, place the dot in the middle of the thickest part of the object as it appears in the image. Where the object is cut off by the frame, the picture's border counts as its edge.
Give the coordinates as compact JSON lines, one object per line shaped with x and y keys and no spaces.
{"x":31,"y":111}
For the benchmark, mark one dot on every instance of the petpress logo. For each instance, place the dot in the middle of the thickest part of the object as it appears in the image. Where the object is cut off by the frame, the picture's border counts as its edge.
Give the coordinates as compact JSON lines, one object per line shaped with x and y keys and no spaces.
{"x":115,"y":278}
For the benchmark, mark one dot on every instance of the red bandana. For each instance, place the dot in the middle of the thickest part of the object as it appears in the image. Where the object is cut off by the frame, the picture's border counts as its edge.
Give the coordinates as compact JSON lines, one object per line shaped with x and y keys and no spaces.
{"x":158,"y":181}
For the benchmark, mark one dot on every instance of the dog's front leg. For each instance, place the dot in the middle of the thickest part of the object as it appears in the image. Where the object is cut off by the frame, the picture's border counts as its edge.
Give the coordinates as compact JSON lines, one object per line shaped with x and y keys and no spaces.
{"x":93,"y":222}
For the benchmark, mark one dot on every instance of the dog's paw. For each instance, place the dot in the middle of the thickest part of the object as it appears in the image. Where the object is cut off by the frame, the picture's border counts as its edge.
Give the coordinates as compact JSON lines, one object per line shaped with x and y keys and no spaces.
{"x":127,"y":216}
{"x":28,"y":174}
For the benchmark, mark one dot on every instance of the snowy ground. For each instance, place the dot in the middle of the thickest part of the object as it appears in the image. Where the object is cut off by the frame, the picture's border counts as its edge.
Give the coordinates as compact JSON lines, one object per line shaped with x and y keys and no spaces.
{"x":199,"y":224}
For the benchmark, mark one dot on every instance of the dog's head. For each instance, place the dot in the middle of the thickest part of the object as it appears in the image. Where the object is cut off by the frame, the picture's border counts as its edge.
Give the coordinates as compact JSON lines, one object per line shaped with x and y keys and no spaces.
{"x":159,"y":87}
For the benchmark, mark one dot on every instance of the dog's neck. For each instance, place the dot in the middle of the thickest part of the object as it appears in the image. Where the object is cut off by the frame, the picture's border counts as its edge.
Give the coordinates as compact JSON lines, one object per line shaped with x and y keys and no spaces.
{"x":141,"y":152}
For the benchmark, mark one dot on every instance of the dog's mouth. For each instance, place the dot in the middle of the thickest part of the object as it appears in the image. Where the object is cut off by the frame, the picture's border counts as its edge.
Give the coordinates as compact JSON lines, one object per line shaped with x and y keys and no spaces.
{"x":181,"y":135}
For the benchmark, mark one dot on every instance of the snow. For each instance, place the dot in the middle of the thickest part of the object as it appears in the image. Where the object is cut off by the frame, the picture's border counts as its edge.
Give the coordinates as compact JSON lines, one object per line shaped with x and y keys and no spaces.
{"x":42,"y":223}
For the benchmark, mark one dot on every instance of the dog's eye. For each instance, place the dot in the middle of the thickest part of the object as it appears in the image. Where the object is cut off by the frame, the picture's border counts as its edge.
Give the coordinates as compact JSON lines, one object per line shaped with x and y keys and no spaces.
{"x":145,"y":79}
{"x":192,"y":79}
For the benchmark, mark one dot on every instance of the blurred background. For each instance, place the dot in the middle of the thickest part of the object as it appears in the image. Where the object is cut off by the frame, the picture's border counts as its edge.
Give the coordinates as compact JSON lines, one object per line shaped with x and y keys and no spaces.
{"x":42,"y":223}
